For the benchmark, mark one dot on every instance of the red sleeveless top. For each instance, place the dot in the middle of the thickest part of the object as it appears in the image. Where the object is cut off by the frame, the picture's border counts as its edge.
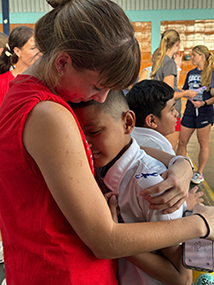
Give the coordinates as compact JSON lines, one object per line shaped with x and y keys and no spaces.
{"x":40,"y":246}
{"x":5,"y":78}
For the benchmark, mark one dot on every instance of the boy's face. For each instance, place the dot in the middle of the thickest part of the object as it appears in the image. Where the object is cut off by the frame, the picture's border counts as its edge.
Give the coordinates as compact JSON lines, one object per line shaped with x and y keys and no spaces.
{"x":105,"y":136}
{"x":166,"y":124}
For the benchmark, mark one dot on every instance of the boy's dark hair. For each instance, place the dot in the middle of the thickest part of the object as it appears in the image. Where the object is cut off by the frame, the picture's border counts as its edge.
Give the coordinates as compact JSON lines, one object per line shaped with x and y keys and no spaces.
{"x":114,"y":105}
{"x":148,"y":97}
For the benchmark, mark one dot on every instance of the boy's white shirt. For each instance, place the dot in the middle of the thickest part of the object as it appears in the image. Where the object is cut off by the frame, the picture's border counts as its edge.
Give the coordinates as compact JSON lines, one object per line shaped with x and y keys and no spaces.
{"x":133,"y":207}
{"x":152,"y":138}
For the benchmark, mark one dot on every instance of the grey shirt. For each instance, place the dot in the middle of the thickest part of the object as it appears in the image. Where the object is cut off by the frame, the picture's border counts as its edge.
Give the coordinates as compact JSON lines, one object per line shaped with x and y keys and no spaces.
{"x":169,"y":67}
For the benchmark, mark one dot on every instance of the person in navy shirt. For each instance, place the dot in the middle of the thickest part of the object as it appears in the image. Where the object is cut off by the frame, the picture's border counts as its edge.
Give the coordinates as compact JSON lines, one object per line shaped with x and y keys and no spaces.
{"x":199,"y":110}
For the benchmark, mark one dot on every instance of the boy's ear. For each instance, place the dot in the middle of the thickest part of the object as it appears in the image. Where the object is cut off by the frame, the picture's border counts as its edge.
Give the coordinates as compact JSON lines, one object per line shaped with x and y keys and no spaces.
{"x":129,"y":121}
{"x":151,"y":121}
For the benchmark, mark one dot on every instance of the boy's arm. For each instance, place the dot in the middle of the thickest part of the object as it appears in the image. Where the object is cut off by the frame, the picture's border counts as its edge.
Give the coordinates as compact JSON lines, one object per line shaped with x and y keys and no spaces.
{"x":168,"y":265}
{"x":163,"y":269}
{"x":174,"y":255}
{"x":176,"y":180}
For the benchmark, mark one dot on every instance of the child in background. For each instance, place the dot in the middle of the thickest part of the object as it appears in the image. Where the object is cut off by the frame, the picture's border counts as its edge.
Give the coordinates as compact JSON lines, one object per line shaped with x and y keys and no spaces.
{"x":146,"y":72}
{"x":123,"y":167}
{"x":165,"y":69}
{"x":153,"y":103}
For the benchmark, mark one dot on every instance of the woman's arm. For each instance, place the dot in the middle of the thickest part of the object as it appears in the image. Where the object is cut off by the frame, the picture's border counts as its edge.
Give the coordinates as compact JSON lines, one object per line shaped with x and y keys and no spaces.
{"x":143,"y":75}
{"x":52,"y":138}
{"x":212,"y":91}
{"x":179,"y":94}
{"x":210,"y":101}
{"x":198,"y":104}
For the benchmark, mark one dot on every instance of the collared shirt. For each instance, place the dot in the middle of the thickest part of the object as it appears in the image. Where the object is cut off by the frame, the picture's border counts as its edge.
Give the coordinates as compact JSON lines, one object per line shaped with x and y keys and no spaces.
{"x":152,"y":138}
{"x":123,"y":177}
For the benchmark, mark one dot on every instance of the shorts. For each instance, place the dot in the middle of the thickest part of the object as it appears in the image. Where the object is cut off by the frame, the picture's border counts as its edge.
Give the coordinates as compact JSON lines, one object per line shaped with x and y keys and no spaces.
{"x":178,"y":125}
{"x":196,"y":122}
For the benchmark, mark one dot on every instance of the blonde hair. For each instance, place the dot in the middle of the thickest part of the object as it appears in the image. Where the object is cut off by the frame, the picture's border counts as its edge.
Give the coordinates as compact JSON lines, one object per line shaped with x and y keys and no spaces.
{"x":168,"y":39}
{"x":206,"y":74}
{"x":96,"y":34}
{"x":3,"y":40}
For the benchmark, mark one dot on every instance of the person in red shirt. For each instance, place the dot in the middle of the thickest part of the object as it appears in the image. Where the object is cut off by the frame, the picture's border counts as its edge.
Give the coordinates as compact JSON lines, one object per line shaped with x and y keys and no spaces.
{"x":18,"y":54}
{"x":3,"y":41}
{"x":50,"y":203}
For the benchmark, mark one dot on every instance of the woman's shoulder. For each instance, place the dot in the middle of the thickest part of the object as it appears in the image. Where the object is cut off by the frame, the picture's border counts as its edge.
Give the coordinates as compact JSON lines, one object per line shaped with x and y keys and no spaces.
{"x":7,"y":74}
{"x":194,"y":70}
{"x":168,"y":61}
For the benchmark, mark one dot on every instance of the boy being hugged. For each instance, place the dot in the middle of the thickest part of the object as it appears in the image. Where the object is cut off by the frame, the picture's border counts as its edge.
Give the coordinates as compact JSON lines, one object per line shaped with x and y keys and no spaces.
{"x":124,"y":168}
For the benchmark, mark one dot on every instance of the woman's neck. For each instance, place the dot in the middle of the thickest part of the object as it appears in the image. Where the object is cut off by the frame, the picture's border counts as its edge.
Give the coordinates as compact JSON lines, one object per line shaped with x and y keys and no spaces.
{"x":200,"y":66}
{"x":19,"y":69}
{"x":170,"y":53}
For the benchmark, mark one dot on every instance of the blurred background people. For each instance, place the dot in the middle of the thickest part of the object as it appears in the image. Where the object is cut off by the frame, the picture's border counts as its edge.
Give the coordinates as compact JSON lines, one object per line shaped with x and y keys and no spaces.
{"x":3,"y":41}
{"x":165,"y":69}
{"x":198,"y":114}
{"x":18,"y":54}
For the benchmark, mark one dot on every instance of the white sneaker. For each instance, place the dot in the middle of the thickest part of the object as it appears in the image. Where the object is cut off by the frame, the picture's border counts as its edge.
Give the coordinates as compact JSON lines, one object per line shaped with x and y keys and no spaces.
{"x":197,"y":178}
{"x":1,"y":254}
{"x":4,"y":282}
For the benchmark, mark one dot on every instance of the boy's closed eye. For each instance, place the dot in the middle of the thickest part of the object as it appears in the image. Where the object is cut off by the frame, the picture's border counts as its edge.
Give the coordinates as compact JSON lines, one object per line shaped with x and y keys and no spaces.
{"x":92,"y":132}
{"x":95,"y":132}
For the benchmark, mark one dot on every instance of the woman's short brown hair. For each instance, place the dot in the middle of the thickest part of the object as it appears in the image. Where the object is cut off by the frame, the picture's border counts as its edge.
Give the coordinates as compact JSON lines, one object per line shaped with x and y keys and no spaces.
{"x":96,"y":34}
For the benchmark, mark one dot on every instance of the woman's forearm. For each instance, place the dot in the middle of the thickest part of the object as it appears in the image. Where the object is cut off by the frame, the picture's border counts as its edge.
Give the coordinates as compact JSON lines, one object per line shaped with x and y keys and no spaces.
{"x":131,"y":239}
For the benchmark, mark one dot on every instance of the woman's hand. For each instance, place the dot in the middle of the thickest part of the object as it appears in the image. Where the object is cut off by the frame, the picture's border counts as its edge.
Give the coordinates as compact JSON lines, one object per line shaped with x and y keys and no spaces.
{"x":197,"y":104}
{"x":178,"y":59}
{"x":176,"y":186}
{"x":191,"y":93}
{"x":208,"y":213}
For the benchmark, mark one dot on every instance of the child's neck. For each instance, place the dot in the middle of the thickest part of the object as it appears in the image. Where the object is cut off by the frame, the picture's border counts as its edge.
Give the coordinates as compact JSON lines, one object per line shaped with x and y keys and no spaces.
{"x":109,"y":165}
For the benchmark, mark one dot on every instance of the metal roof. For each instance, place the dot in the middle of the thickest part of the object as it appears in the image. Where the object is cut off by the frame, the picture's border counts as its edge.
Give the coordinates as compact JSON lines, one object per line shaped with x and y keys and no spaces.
{"x":18,"y":6}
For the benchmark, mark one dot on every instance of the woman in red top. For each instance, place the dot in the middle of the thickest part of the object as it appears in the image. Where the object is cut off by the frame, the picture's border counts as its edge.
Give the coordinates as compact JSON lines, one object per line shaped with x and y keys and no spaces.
{"x":50,"y":203}
{"x":19,"y":53}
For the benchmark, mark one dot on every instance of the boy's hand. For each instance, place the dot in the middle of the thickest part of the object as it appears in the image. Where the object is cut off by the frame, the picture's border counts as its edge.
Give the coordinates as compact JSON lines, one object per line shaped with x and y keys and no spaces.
{"x":194,"y":197}
{"x":112,"y":200}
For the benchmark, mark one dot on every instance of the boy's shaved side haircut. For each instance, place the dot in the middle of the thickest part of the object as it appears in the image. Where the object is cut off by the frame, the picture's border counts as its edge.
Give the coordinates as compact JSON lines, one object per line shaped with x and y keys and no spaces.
{"x":114,"y":105}
{"x":148,"y":97}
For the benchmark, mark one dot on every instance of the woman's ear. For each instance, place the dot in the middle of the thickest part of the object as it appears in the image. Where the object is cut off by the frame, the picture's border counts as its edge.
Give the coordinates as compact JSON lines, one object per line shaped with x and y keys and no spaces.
{"x":61,"y":62}
{"x":129,"y":121}
{"x":17,"y":51}
{"x":177,"y":43}
{"x":151,"y":121}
